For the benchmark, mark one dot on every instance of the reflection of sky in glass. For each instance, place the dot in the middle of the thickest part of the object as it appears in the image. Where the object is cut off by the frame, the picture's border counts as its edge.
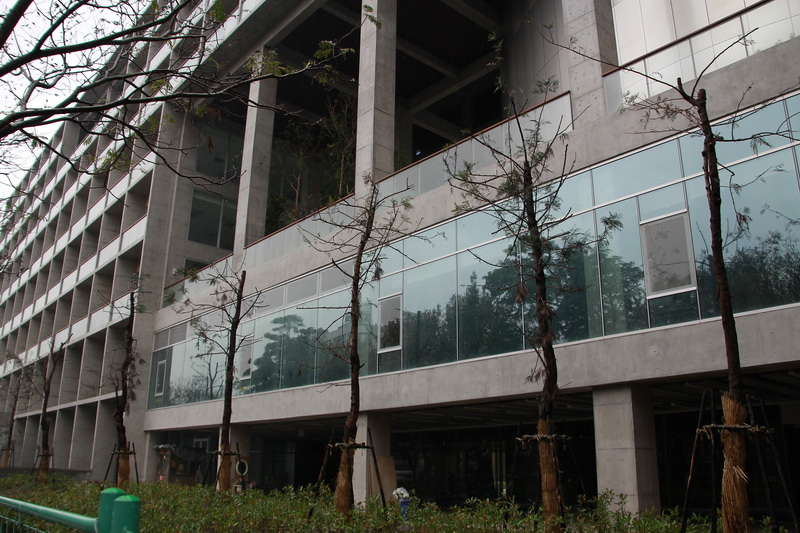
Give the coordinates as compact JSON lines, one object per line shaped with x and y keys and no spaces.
{"x":636,"y":172}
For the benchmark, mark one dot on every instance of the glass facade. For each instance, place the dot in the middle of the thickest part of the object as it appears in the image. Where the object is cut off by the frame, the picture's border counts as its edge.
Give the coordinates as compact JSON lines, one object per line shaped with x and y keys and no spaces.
{"x":670,"y":39}
{"x":453,"y":295}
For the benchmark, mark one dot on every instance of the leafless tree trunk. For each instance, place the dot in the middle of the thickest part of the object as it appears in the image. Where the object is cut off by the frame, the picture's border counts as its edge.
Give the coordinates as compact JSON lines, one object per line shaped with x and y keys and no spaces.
{"x":344,"y":485}
{"x":47,"y":369}
{"x":127,"y":378}
{"x":735,"y":504}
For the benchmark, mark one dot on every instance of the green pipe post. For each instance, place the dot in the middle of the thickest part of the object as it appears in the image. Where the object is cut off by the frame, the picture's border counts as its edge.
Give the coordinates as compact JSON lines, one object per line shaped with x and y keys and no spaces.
{"x":106,"y":511}
{"x":126,"y":515}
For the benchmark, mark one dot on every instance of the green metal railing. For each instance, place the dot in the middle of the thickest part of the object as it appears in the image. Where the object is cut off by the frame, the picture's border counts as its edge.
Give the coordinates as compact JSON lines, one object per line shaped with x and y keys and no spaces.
{"x":118,"y":513}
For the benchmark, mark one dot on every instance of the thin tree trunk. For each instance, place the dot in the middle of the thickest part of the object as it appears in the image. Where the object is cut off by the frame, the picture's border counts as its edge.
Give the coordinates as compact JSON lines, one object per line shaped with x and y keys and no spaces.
{"x":735,"y":504}
{"x":121,"y":401}
{"x":343,"y":495}
{"x":224,"y":477}
{"x":11,"y":421}
{"x":548,"y":459}
{"x":48,"y":370}
{"x":44,"y":430}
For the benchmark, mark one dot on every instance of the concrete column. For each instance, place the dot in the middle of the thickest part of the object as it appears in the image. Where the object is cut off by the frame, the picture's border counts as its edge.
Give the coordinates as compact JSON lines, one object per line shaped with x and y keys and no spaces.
{"x":376,"y":95}
{"x":625,"y":445}
{"x":591,"y":23}
{"x":256,"y":156}
{"x":374,"y":429}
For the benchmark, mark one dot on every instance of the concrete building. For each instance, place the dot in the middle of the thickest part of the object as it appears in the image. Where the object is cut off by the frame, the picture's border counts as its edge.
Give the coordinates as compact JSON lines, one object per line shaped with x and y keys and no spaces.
{"x":445,"y":395}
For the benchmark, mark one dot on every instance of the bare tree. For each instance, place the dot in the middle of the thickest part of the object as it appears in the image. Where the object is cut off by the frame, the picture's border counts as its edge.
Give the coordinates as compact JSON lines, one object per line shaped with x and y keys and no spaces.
{"x":521,"y":192}
{"x":690,"y":103}
{"x":358,"y":229}
{"x":41,"y":382}
{"x":17,"y":389}
{"x":87,"y":64}
{"x":125,"y":379}
{"x":217,"y":323}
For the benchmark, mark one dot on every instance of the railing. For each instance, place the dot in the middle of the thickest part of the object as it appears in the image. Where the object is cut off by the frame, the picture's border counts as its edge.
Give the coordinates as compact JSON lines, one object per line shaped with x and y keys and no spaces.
{"x":118,"y":513}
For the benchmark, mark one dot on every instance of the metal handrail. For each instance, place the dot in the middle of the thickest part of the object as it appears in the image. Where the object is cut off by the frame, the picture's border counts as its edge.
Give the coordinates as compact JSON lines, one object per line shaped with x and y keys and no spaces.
{"x":118,"y":513}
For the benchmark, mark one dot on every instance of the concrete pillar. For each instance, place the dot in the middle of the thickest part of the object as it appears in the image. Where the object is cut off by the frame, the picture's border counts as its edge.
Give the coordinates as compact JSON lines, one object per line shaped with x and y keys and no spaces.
{"x":625,"y":445}
{"x":376,"y":95}
{"x":256,"y":156}
{"x":374,"y":429}
{"x":591,"y":23}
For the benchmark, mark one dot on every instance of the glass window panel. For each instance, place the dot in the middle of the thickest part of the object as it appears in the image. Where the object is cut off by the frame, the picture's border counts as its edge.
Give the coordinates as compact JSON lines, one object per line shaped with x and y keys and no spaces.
{"x":769,"y":119}
{"x":667,"y":259}
{"x":270,"y":301}
{"x":220,"y":155}
{"x":637,"y":172}
{"x":175,"y":391}
{"x":390,"y":361}
{"x":629,"y":30}
{"x":267,"y":346}
{"x":429,"y":309}
{"x":368,"y":328}
{"x":673,"y":309}
{"x":575,"y":195}
{"x":762,"y":262}
{"x":204,"y":218}
{"x":390,"y":310}
{"x":332,"y":345}
{"x":161,"y":339}
{"x":228,"y":228}
{"x":574,"y":285}
{"x":621,"y":272}
{"x":334,"y":278}
{"x":299,"y":338}
{"x":692,"y":154}
{"x":476,"y":228}
{"x":489,"y":317}
{"x":391,"y":257}
{"x":391,"y":284}
{"x":632,"y":83}
{"x":430,"y":244}
{"x":159,"y":378}
{"x":662,"y":202}
{"x":773,"y":25}
{"x":669,"y":65}
{"x":431,"y":173}
{"x":243,"y":363}
{"x":657,"y":17}
{"x":689,"y":16}
{"x":302,"y":288}
{"x":178,"y":333}
{"x":161,"y":375}
{"x":204,"y":375}
{"x":793,"y":105}
{"x":707,"y":47}
{"x":719,"y":9}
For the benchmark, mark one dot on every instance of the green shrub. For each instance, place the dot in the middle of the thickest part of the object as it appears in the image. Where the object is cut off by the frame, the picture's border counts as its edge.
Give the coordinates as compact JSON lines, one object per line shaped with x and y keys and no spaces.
{"x":177,"y":508}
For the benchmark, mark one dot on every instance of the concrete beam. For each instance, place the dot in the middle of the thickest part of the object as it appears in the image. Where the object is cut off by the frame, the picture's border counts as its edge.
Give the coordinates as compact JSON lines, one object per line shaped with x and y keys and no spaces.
{"x":478,"y":12}
{"x":438,"y":91}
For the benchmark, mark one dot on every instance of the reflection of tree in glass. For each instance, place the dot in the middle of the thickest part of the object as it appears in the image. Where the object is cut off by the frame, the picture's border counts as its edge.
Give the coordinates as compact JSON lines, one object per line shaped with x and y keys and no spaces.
{"x":487,"y":312}
{"x":287,"y":359}
{"x":390,"y":333}
{"x":762,"y":275}
{"x":624,"y":301}
{"x":205,"y":383}
{"x":267,"y":368}
{"x":427,"y":337}
{"x":298,"y":352}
